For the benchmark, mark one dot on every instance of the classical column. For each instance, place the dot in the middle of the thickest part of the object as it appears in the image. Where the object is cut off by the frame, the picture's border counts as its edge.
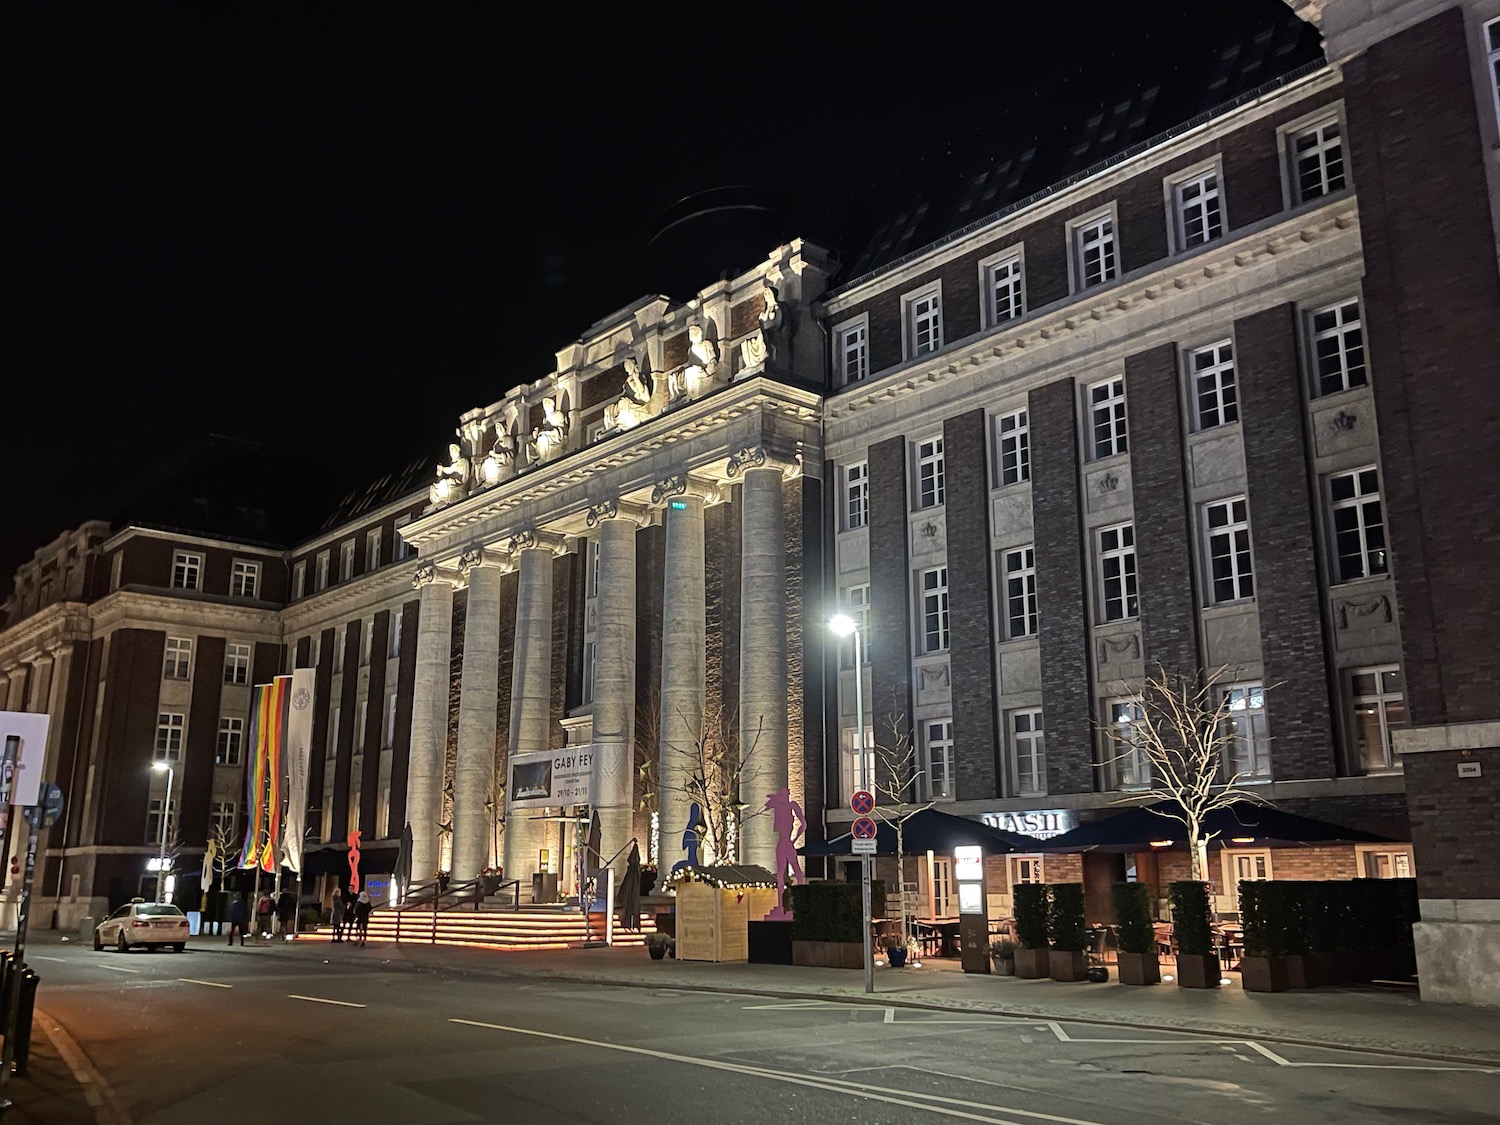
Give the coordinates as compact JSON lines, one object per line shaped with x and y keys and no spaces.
{"x":429,"y":719}
{"x":614,"y":674}
{"x":530,"y":691}
{"x":17,"y":700}
{"x":474,"y":766}
{"x":763,"y":659}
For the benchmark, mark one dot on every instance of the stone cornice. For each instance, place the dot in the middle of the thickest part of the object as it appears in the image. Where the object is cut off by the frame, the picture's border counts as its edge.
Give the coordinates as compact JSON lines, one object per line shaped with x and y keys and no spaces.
{"x":137,"y":609}
{"x":61,"y":623}
{"x":193,"y":539}
{"x":371,"y":592}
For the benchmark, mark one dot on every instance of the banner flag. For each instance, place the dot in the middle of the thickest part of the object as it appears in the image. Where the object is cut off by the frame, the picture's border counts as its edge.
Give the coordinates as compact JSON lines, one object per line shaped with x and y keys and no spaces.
{"x":255,"y":780}
{"x":298,"y":753}
{"x":273,"y":726}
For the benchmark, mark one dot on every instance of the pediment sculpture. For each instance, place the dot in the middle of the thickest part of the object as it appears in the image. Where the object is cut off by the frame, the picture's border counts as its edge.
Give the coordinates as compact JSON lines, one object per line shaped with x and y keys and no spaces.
{"x":500,"y":461}
{"x":634,"y":404}
{"x":547,"y":439}
{"x":761,"y":347}
{"x":702,"y":363}
{"x":453,"y":479}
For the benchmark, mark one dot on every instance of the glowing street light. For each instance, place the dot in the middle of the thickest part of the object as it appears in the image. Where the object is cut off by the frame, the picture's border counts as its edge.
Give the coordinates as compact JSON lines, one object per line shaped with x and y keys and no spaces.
{"x":842,"y":625}
{"x":166,"y":815}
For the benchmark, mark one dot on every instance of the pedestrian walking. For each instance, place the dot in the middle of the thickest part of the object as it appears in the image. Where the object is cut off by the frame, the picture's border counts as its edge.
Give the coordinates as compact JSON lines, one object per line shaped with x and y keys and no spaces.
{"x":237,"y":919}
{"x":263,"y":911}
{"x":336,"y":914}
{"x":362,"y":908}
{"x":286,"y":912}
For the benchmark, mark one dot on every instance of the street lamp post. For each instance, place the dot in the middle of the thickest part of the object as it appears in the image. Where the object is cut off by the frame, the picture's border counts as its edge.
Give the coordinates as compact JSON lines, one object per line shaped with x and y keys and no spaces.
{"x":166,"y":816}
{"x":844,"y":626}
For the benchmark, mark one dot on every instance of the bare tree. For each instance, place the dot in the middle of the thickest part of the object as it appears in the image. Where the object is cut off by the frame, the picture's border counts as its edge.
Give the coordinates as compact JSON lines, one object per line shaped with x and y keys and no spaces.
{"x":223,"y":851}
{"x":710,"y":773}
{"x":1185,"y":725}
{"x":898,"y":774}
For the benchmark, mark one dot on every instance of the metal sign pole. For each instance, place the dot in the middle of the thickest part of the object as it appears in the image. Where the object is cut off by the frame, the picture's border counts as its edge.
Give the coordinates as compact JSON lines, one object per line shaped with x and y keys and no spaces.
{"x":13,"y":993}
{"x":864,"y":783}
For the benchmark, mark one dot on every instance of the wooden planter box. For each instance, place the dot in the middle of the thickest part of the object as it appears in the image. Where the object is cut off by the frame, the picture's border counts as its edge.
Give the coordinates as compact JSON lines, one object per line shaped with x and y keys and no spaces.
{"x":1139,"y":968}
{"x":1301,"y":971}
{"x":828,"y":954}
{"x":1263,"y":974}
{"x":1067,"y":965}
{"x":1198,"y":970}
{"x":713,"y":924}
{"x":1033,"y":964}
{"x":1325,"y":968}
{"x":1004,"y":966}
{"x":770,"y":943}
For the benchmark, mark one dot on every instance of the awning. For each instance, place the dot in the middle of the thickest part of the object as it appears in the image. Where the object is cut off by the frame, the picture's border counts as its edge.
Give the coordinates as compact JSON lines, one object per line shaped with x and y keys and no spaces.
{"x":1247,"y":823}
{"x":933,"y":830}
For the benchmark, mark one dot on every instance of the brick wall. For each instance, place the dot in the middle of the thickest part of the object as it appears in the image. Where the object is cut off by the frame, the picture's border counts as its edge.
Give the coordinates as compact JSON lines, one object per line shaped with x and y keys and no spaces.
{"x":196,"y":774}
{"x":323,"y":704}
{"x":406,"y":678}
{"x":971,"y":615}
{"x":344,"y":750}
{"x":132,"y":688}
{"x":1283,"y":534}
{"x":890,"y":595}
{"x":1062,"y":628}
{"x":369,"y":782}
{"x":1455,"y":832}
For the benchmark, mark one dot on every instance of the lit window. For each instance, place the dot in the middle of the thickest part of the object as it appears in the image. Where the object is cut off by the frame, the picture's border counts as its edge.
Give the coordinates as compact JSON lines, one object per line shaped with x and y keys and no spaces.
{"x":1226,"y":523}
{"x":1014,"y":436}
{"x":245,"y":579}
{"x":935,"y":609}
{"x":1004,"y":288}
{"x":372,"y":549}
{"x":389,"y":738}
{"x":924,"y":322}
{"x":937,"y":766}
{"x":853,"y":352}
{"x":1338,"y":348}
{"x":398,"y":618}
{"x":1020,"y":593}
{"x":1028,"y":752}
{"x":1317,"y":161}
{"x":187,"y":571}
{"x":1107,"y":418}
{"x":236,"y":664}
{"x":1200,"y":217}
{"x":1094,"y":250}
{"x":1247,"y":743}
{"x":1358,"y":529}
{"x":856,"y":495}
{"x":178,"y":665}
{"x":1214,"y":394}
{"x":856,"y":603}
{"x":231,"y":742}
{"x":223,"y":817}
{"x":1379,"y":706}
{"x":930,"y":483}
{"x":168,"y":737}
{"x":1117,"y":572}
{"x":1132,"y":765}
{"x":154,"y":820}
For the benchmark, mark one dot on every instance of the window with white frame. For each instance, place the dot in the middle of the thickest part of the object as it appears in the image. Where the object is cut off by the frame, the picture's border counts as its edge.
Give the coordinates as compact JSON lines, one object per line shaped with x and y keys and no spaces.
{"x":299,"y":580}
{"x":852,"y":344}
{"x":317,"y":650}
{"x":935,"y":609}
{"x":403,"y":548}
{"x":244,"y":580}
{"x":856,"y":495}
{"x":187,"y":571}
{"x":361,"y":725}
{"x":924,"y":322}
{"x":116,"y":570}
{"x":1094,"y":251}
{"x":1003,"y":285}
{"x":1243,"y":865}
{"x":179,"y":659}
{"x":223,"y":817}
{"x":346,"y":560}
{"x":1378,"y":702}
{"x":1247,"y":749}
{"x":154,"y":819}
{"x":398,"y":618}
{"x":322,"y":570}
{"x":930,"y":482}
{"x":1200,"y":215}
{"x":593,"y":564}
{"x":1013,"y":436}
{"x":1215,"y":397}
{"x":1492,"y":56}
{"x":590,"y":661}
{"x":1117,"y":580}
{"x":372,"y":549}
{"x":1028,"y":752}
{"x":849,"y":759}
{"x":1107,"y":418}
{"x":366,"y":640}
{"x":1384,"y":862}
{"x":388,"y":732}
{"x":231,"y":744}
{"x":1020,"y":592}
{"x":856,"y":603}
{"x":1338,"y":348}
{"x":937,"y":760}
{"x":168,"y":746}
{"x":1025,"y":869}
{"x":1358,"y":526}
{"x":236,"y":663}
{"x":333,"y":741}
{"x":1132,"y":766}
{"x":1226,"y":525}
{"x":1316,"y":158}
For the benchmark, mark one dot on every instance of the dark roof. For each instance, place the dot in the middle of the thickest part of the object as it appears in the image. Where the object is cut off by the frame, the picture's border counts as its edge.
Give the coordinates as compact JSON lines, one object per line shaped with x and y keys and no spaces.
{"x":411,"y":477}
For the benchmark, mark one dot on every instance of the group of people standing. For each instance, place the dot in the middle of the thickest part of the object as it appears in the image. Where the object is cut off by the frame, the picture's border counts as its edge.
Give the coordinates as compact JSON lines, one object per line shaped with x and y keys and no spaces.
{"x":272,"y":916}
{"x":350,"y":915}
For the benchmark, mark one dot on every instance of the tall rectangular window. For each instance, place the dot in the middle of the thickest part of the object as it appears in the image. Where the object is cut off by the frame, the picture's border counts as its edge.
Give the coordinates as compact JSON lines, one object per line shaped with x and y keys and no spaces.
{"x":1107,"y":418}
{"x":590,"y":661}
{"x":1003,"y":284}
{"x":366,"y":640}
{"x":168,"y":737}
{"x":937,"y":764}
{"x":854,"y":353}
{"x":1492,"y":54}
{"x":116,"y":570}
{"x":154,"y":819}
{"x":1379,"y":706}
{"x":403,"y":549}
{"x":930,"y":483}
{"x":346,"y":560}
{"x":236,"y":664}
{"x":244,"y":580}
{"x":1317,"y":161}
{"x":372,"y":549}
{"x":1214,"y":395}
{"x":1028,"y":752}
{"x":388,"y":733}
{"x":1200,"y":217}
{"x":924,"y":322}
{"x":1248,"y":749}
{"x":1020,"y":593}
{"x":851,"y":771}
{"x":856,"y":603}
{"x":322,"y":570}
{"x":299,"y":580}
{"x":231,"y":743}
{"x":187,"y":571}
{"x":1338,"y":348}
{"x":1358,"y":528}
{"x":223,"y":817}
{"x":857,"y":495}
{"x":1117,"y":583}
{"x":179,"y":659}
{"x":593,"y":565}
{"x":1013,"y":432}
{"x":1226,"y":523}
{"x":1132,"y":766}
{"x":935,"y":609}
{"x":398,"y":617}
{"x":1094,"y":251}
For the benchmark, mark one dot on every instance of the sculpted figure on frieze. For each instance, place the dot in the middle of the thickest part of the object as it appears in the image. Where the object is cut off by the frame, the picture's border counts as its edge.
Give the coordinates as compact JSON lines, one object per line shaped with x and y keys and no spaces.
{"x":634,"y":404}
{"x":547,"y":439}
{"x":698,"y":372}
{"x":761,"y":347}
{"x":453,"y":479}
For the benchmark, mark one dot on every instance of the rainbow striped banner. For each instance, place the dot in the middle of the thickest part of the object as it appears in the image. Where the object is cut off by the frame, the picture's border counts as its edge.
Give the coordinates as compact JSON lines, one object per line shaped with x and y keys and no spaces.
{"x":263,"y":778}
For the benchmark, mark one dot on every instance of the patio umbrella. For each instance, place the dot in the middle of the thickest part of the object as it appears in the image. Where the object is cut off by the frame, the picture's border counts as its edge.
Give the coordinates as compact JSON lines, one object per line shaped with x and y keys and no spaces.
{"x":1244,"y":822}
{"x":629,"y":897}
{"x":933,"y":830}
{"x":403,"y":863}
{"x":592,"y":860}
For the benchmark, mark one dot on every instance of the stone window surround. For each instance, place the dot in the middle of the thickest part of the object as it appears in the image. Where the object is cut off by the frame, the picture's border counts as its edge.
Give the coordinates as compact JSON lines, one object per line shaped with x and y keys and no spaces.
{"x":1225,"y":377}
{"x":1309,"y":312}
{"x":244,"y":581}
{"x":920,"y":461}
{"x":987,"y":267}
{"x":1171,"y":192}
{"x":1232,"y":528}
{"x":1036,"y":736}
{"x":944,"y":744}
{"x":187,"y":570}
{"x":909,"y":301}
{"x":1285,"y":134}
{"x":836,"y":334}
{"x":1077,"y":233}
{"x":1021,"y":433}
{"x":1358,"y":502}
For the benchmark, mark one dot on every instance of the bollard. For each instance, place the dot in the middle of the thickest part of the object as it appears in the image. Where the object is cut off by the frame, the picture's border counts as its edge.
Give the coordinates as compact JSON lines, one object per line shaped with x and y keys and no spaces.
{"x":7,"y":959}
{"x":26,"y":1006}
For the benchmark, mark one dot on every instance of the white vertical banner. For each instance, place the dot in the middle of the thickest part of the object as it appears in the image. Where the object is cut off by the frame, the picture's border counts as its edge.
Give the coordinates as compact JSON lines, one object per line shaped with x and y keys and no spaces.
{"x":31,"y":728}
{"x":296,"y":754}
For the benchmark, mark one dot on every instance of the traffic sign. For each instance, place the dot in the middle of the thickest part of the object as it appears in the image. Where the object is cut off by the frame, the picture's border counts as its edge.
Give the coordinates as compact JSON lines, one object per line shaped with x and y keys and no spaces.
{"x":864,"y":847}
{"x":45,"y":813}
{"x":863,"y":829}
{"x":863,"y":802}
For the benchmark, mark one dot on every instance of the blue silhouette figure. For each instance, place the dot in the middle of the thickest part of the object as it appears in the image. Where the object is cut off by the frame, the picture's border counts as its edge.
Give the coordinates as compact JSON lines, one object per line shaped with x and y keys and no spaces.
{"x":692,"y":835}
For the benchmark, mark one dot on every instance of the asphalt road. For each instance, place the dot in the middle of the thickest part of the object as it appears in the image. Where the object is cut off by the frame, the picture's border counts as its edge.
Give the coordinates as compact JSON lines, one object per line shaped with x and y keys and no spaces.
{"x":228,"y":1038}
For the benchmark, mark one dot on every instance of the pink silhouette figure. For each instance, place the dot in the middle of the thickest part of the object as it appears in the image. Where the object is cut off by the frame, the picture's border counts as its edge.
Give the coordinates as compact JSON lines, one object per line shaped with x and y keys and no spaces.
{"x":790,"y":824}
{"x":354,"y":862}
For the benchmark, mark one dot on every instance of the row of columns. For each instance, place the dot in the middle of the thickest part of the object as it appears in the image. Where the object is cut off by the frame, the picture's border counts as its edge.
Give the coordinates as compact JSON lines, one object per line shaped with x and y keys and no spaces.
{"x":42,"y":690}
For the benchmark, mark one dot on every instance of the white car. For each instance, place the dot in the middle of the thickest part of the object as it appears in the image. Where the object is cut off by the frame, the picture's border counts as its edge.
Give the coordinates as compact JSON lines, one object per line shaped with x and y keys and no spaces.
{"x":146,"y":924}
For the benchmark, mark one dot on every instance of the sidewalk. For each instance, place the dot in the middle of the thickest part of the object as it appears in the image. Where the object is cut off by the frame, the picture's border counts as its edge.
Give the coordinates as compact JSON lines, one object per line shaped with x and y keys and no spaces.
{"x":1361,"y":1019}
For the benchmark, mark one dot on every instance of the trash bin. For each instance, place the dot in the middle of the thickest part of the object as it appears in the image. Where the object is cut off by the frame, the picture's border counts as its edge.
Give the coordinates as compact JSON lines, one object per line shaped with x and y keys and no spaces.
{"x":86,"y":929}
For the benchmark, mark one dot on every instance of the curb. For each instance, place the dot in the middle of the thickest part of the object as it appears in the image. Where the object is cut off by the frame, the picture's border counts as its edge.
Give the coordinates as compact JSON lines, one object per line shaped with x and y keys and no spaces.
{"x":553,"y":976}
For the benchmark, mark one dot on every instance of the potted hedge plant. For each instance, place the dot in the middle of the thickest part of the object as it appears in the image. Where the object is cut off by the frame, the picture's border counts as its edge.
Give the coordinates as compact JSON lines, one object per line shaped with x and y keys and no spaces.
{"x":1003,"y":955}
{"x":657,"y":945}
{"x":1263,"y":908}
{"x":1297,"y":904}
{"x":1197,"y":962}
{"x":895,"y":952}
{"x":1323,"y":935}
{"x":1137,"y":936}
{"x":1033,"y":958}
{"x":1065,"y":928}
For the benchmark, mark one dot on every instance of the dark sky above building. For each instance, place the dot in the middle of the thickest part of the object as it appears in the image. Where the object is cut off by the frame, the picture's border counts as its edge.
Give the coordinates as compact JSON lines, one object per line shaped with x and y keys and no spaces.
{"x":335,"y":230}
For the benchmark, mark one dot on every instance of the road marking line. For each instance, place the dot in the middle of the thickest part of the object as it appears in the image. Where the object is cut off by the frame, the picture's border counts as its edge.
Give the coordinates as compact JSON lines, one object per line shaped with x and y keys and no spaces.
{"x":1280,"y":1061}
{"x":116,"y":968}
{"x":947,"y":1107}
{"x":209,"y":983}
{"x":60,"y":960}
{"x":96,"y":1091}
{"x":890,"y":1015}
{"x":322,"y":1000}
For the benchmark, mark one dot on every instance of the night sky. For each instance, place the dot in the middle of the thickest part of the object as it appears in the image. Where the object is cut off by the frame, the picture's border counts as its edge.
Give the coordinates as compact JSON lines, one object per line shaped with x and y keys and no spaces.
{"x":338,"y":230}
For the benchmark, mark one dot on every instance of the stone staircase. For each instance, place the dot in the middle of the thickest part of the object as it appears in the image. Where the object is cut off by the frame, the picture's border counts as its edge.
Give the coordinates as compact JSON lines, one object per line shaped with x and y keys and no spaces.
{"x":526,"y":928}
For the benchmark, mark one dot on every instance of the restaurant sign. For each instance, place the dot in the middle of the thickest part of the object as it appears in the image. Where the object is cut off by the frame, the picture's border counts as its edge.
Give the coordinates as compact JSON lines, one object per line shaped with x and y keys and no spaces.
{"x":1041,"y":823}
